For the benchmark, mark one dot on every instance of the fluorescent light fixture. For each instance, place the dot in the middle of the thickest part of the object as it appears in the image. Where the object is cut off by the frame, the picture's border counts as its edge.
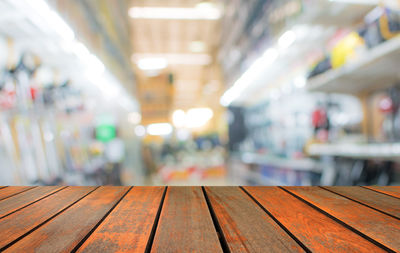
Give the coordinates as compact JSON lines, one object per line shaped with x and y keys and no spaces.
{"x":198,"y":117}
{"x":287,"y":39}
{"x":140,"y":131}
{"x":171,"y":59}
{"x":155,"y":63}
{"x":209,"y":13}
{"x":52,"y":19}
{"x":205,"y":5}
{"x":179,"y":118}
{"x":363,"y":2}
{"x":197,"y":46}
{"x":159,"y":129}
{"x":134,"y":118}
{"x":251,"y":74}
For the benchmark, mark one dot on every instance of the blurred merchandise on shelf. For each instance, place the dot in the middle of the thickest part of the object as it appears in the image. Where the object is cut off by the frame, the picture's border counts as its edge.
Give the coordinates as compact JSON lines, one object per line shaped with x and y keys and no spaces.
{"x":200,"y":92}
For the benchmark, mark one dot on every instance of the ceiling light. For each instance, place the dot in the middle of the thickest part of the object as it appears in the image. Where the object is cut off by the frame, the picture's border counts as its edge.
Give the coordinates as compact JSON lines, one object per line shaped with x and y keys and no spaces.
{"x":198,"y":117}
{"x":300,"y":81}
{"x":178,"y":118}
{"x":159,"y":129}
{"x":140,"y":131}
{"x":134,"y":118}
{"x":205,"y":5}
{"x":174,"y":13}
{"x":172,"y":59}
{"x":287,"y":39}
{"x":152,"y":63}
{"x":197,"y":46}
{"x":364,"y":2}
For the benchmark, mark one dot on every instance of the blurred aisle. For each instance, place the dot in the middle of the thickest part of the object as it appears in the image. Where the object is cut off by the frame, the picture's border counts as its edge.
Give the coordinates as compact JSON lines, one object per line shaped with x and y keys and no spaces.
{"x":199,"y":92}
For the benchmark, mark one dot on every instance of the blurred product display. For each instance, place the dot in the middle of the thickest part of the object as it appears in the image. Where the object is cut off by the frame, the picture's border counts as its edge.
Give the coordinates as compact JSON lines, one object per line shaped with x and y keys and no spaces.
{"x":200,"y":92}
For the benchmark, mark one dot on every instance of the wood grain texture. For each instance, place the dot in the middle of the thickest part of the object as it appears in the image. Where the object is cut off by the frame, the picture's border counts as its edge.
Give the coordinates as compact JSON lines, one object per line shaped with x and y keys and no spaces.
{"x":389,"y":190}
{"x":11,"y":191}
{"x":373,"y":199}
{"x":246,"y":227}
{"x":127,"y":228}
{"x":185,"y":223}
{"x":23,"y":199}
{"x":66,"y":230}
{"x":21,"y":222}
{"x":378,"y":226}
{"x":315,"y":230}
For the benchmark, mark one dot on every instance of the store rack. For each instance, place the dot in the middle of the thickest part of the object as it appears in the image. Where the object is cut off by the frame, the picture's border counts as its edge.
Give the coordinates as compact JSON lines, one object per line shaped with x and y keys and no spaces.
{"x":378,"y":67}
{"x":303,"y":164}
{"x":379,"y":151}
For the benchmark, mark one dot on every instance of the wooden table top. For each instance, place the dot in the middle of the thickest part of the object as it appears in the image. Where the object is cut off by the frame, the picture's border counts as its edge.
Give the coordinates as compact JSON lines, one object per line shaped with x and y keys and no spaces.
{"x":199,"y":219}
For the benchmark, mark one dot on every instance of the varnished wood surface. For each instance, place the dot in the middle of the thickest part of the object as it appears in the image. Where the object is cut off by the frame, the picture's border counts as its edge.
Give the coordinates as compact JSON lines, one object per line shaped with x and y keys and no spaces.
{"x":197,"y":219}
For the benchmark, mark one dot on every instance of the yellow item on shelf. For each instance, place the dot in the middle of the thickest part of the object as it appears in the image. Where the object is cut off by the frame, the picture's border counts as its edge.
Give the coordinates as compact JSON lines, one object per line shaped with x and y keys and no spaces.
{"x":345,"y":49}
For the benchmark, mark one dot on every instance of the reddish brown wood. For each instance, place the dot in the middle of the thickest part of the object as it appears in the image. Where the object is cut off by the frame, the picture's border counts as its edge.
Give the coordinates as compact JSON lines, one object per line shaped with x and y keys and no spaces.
{"x":127,"y":228}
{"x":185,"y":223}
{"x":19,"y":223}
{"x":246,"y":227}
{"x":389,"y":190}
{"x":373,"y":199}
{"x":66,"y":230}
{"x":378,"y":226}
{"x":11,"y":191}
{"x":315,"y":230}
{"x":1,"y":187}
{"x":23,"y":199}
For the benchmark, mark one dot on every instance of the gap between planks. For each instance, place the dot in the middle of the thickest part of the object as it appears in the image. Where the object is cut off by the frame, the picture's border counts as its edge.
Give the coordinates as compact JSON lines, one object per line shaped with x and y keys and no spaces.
{"x":31,"y":203}
{"x":100,"y":221}
{"x":44,"y":222}
{"x":217,"y":226}
{"x":339,"y":221}
{"x":361,"y":203}
{"x":276,"y":221}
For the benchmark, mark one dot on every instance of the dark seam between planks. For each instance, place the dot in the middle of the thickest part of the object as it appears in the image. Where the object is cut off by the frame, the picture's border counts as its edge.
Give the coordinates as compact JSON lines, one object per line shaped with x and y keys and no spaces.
{"x":276,"y":221}
{"x":380,"y":192}
{"x":62,"y":188}
{"x":99,"y":222}
{"x":44,"y":222}
{"x":217,"y":226}
{"x":2,"y":187}
{"x":18,"y":193}
{"x":155,"y":223}
{"x":375,"y":209}
{"x":340,"y":222}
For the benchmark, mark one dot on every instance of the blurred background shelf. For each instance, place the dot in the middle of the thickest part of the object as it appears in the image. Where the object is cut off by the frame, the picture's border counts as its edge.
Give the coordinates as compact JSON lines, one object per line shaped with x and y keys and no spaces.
{"x":303,"y":164}
{"x":381,"y":151}
{"x":377,"y":68}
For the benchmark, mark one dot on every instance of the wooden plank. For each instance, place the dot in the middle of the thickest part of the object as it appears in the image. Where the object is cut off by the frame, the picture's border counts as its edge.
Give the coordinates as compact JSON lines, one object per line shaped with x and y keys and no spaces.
{"x":13,"y":190}
{"x":389,"y":190}
{"x":245,"y":226}
{"x":23,"y":199}
{"x":65,"y":231}
{"x":128,"y":227}
{"x":315,"y":230}
{"x":185,"y":223}
{"x":382,"y":228}
{"x":19,"y":223}
{"x":373,"y":199}
{"x":1,"y":187}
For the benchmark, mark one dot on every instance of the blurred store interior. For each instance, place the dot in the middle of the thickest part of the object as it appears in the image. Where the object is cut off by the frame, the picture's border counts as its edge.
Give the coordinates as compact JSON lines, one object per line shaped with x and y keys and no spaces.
{"x":199,"y":92}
